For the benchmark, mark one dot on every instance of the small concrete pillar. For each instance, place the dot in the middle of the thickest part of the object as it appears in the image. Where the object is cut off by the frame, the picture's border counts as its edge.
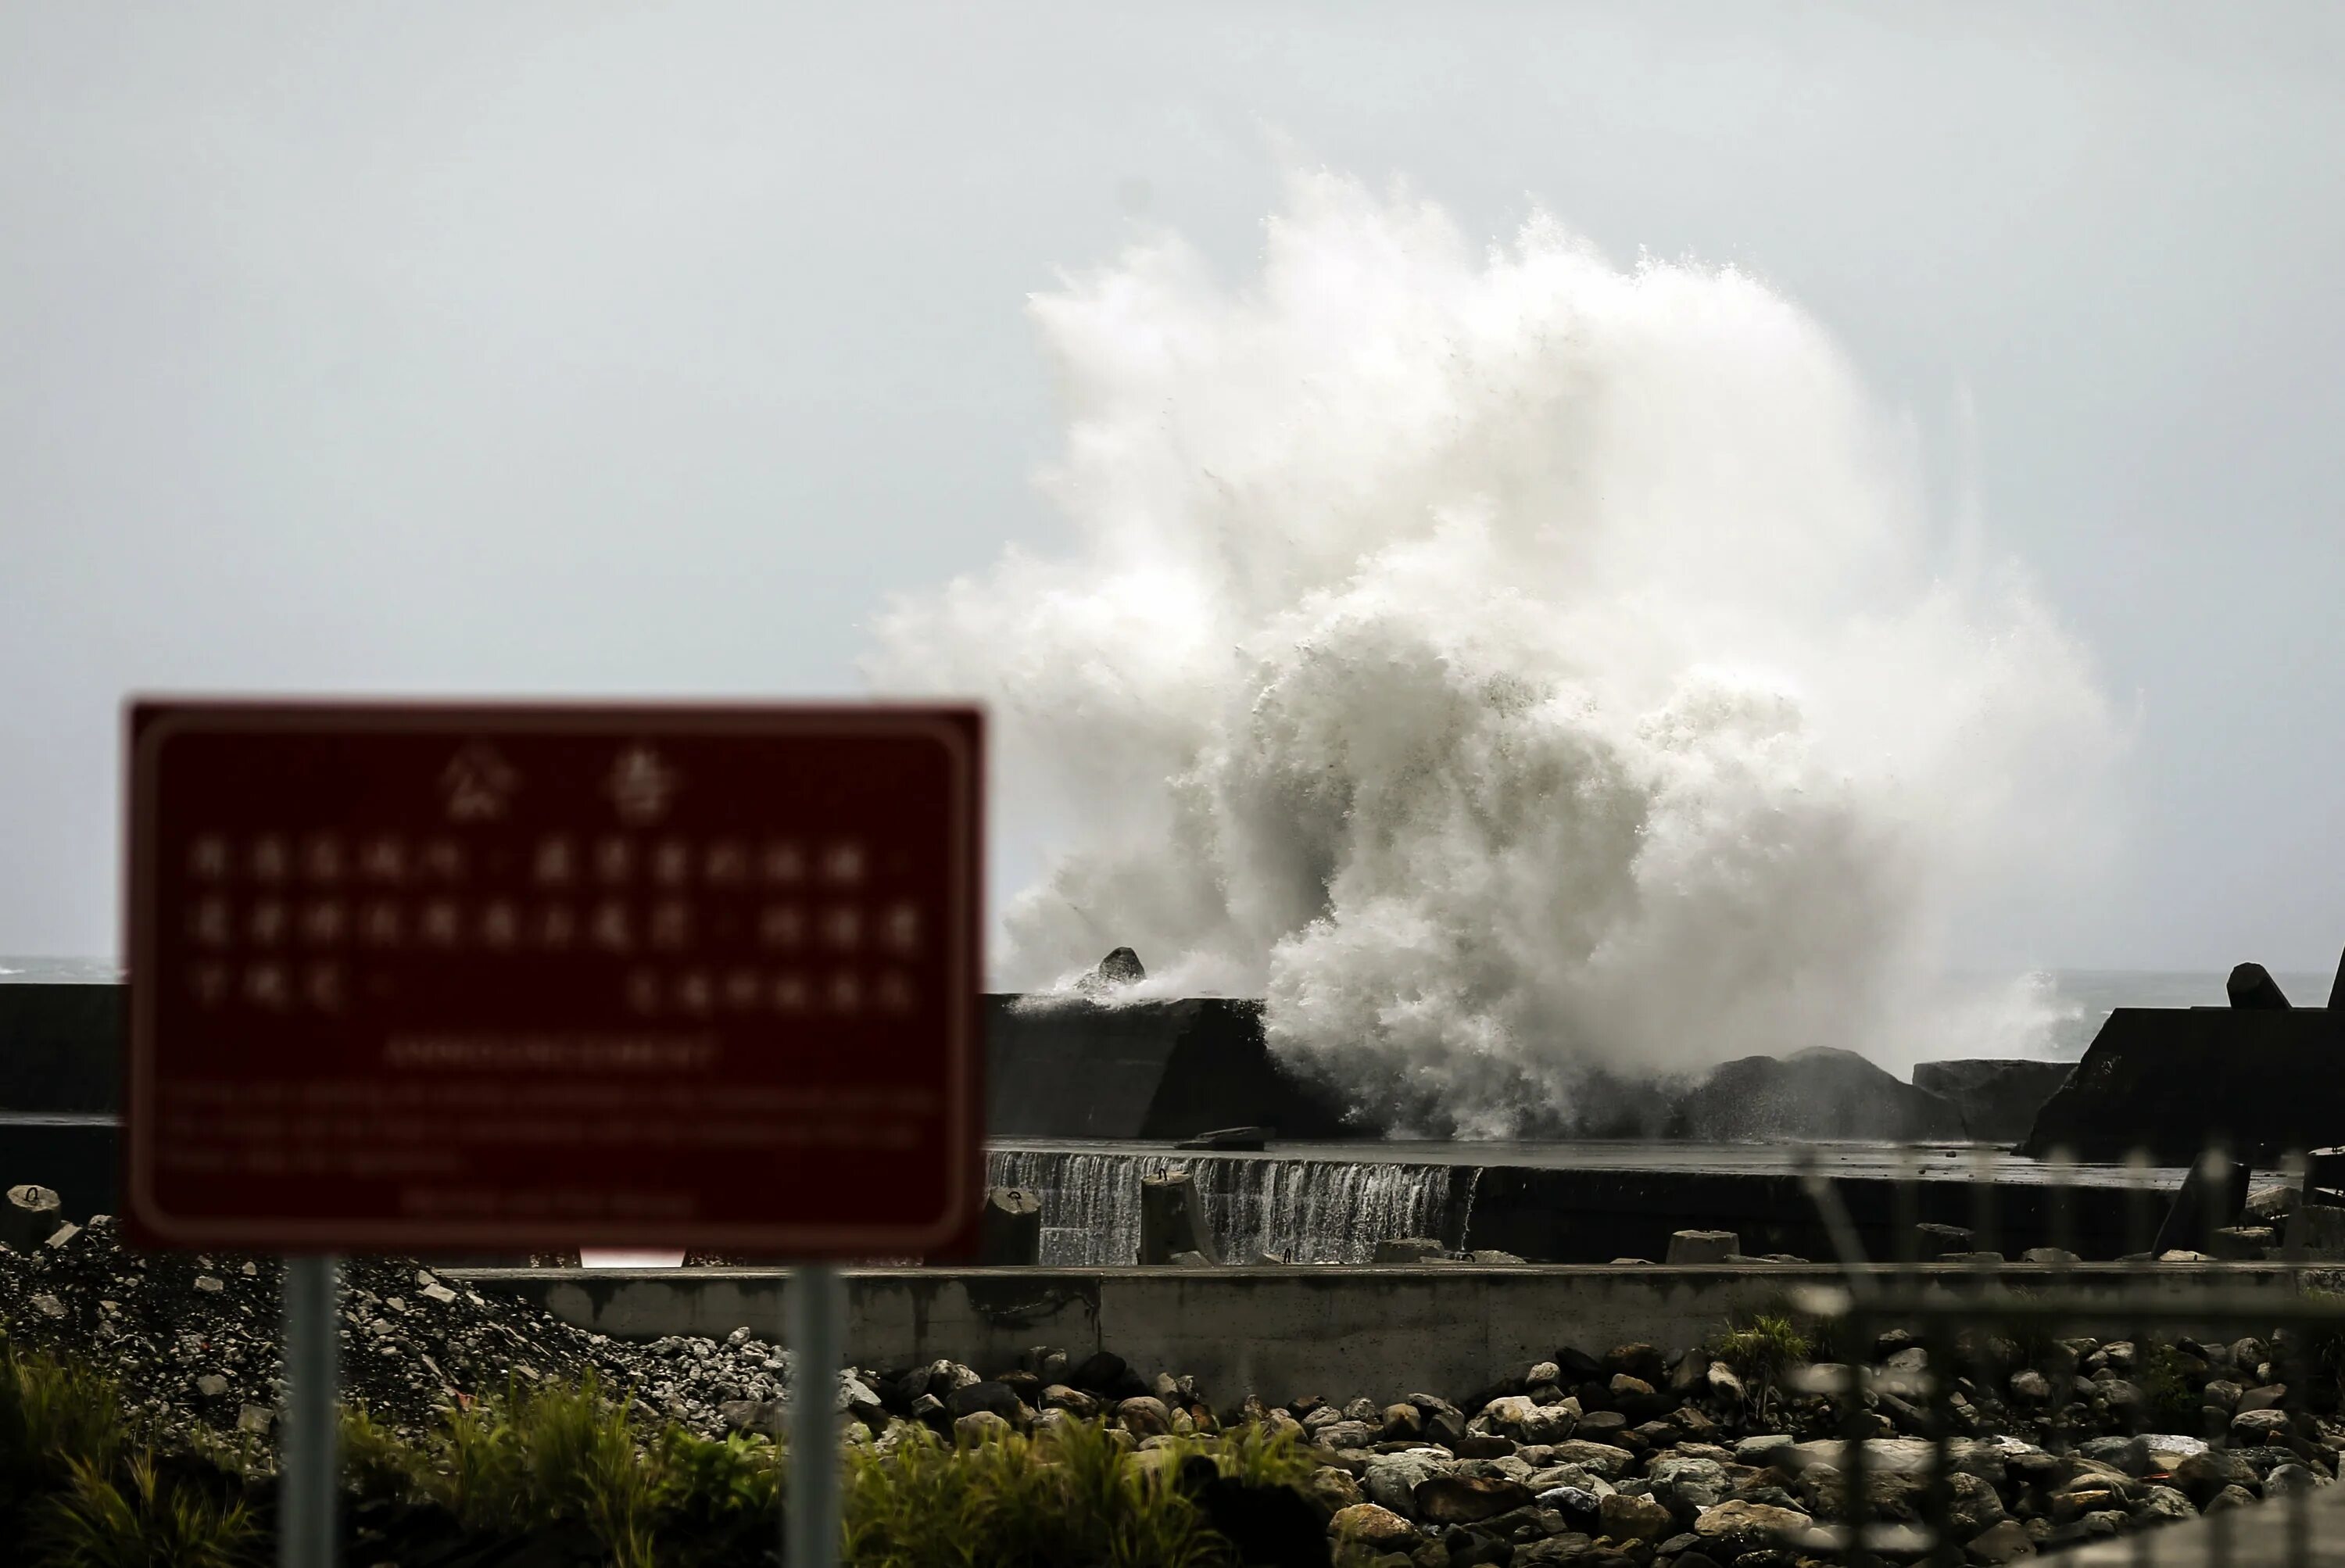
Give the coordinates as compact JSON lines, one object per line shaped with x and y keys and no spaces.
{"x":1009,"y":1232}
{"x":29,"y":1216}
{"x":1173,"y":1219}
{"x":1702,"y":1246}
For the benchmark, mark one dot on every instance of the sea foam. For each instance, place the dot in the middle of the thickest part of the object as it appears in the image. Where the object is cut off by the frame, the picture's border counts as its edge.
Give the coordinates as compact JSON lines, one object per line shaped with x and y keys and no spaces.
{"x":1521,"y":669}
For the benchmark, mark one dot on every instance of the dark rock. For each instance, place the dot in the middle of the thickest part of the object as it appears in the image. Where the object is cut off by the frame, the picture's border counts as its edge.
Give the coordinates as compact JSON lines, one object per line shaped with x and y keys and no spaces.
{"x":1467,"y":1499}
{"x":1626,"y":1518}
{"x":1639,"y":1360}
{"x":1819,"y":1093}
{"x":1119,"y":968}
{"x":1103,"y":1372}
{"x":1273,"y":1526}
{"x":2203,"y":1476}
{"x":1144,"y":1415}
{"x":1579,"y":1366}
{"x":1477,"y":1549}
{"x":2006,"y":1543}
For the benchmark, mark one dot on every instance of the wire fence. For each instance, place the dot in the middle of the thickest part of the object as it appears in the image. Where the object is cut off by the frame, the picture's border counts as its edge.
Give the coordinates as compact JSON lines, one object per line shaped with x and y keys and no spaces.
{"x":1954,"y":1323}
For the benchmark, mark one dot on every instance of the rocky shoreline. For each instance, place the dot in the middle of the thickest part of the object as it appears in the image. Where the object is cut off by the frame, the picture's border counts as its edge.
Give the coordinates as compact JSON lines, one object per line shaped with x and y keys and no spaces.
{"x":1723,"y":1455}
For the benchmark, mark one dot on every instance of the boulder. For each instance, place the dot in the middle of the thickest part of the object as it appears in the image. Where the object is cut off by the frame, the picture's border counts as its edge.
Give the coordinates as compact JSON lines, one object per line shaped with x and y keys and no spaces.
{"x":1974,"y":1507}
{"x":2204,"y":1476}
{"x":1119,"y":969}
{"x":1738,"y":1527}
{"x":1074,"y":1401}
{"x":2256,"y":1428}
{"x":1818,"y":1093}
{"x":1377,"y":1528}
{"x":1391,"y":1479}
{"x":980,"y":1426}
{"x":1467,"y":1499}
{"x":2006,"y":1543}
{"x":1101,"y":1372}
{"x":1527,"y":1422}
{"x":1145,"y":1416}
{"x":1333,"y":1489}
{"x":2287,"y":1478}
{"x":1688,"y":1485}
{"x":1597,"y":1459}
{"x":1626,"y":1518}
{"x":998,"y":1397}
{"x":1409,"y":1249}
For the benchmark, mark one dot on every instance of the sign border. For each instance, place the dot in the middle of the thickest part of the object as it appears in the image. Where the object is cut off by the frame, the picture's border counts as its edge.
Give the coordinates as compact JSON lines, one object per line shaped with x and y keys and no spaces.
{"x":150,"y":721}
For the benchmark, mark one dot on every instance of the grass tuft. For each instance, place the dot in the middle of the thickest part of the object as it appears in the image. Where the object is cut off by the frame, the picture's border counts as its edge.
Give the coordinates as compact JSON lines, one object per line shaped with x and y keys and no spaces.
{"x":80,"y":1487}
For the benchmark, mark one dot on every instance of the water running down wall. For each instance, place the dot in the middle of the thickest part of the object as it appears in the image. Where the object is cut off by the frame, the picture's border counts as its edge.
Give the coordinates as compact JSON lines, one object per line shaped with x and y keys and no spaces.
{"x":1299,"y":1211}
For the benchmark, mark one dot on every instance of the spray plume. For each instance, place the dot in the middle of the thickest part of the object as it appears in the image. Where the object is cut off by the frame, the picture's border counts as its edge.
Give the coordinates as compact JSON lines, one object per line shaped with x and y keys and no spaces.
{"x":1525,"y":674}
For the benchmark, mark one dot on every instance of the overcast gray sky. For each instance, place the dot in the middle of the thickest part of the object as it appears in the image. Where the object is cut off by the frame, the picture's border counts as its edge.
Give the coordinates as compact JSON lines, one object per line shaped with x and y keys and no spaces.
{"x":570,"y":346}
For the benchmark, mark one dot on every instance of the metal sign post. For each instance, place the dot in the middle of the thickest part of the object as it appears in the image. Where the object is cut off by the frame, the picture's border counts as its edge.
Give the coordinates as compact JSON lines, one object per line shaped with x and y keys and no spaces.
{"x":309,"y":1472}
{"x":816,"y":1333}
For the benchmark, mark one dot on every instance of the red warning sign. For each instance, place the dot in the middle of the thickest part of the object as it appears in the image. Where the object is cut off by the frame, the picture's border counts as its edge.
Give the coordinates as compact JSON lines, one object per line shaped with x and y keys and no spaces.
{"x":519,"y":977}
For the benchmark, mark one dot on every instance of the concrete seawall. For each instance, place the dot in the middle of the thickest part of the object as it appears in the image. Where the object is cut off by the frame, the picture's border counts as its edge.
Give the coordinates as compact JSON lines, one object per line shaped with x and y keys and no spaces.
{"x":1285,"y":1331}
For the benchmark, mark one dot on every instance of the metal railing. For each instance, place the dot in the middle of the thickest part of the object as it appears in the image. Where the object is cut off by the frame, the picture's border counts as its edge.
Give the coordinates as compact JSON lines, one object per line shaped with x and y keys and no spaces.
{"x":1951,"y":1320}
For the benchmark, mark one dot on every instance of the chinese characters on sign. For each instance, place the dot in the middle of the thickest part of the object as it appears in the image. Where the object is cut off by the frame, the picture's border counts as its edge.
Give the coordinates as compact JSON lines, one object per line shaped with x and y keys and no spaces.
{"x":549,"y":976}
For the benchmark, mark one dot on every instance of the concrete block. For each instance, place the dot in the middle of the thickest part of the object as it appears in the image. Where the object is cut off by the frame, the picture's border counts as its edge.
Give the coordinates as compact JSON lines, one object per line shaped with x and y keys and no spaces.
{"x":29,"y":1216}
{"x":2318,"y":1232}
{"x":2242,"y":1243}
{"x":1010,"y":1230}
{"x":1173,"y":1219}
{"x":1702,"y":1246}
